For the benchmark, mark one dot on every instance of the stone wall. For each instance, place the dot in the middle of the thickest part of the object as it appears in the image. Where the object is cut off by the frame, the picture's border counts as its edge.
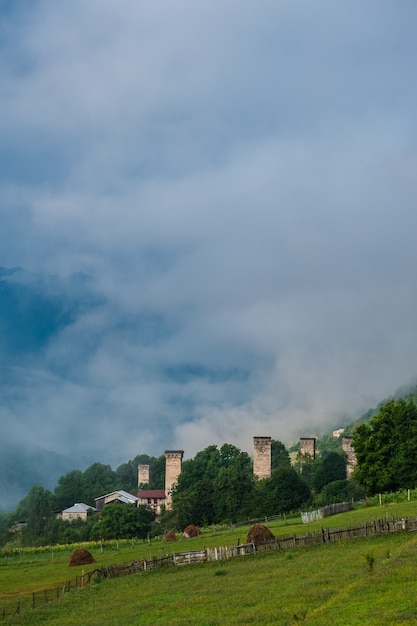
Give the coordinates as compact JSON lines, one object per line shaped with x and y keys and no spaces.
{"x":351,"y":456}
{"x":262,"y":457}
{"x":143,"y":475}
{"x":308,"y":446}
{"x":172,"y":471}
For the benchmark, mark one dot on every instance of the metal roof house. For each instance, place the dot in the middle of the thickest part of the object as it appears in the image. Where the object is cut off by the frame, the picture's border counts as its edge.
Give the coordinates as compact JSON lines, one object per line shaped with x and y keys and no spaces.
{"x":78,"y":511}
{"x":116,"y":496}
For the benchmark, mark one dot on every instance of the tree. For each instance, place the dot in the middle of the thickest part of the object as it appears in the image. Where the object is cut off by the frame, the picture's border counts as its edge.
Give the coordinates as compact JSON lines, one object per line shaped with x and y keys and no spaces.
{"x":69,"y":489}
{"x":327,"y":469}
{"x":341,"y":491}
{"x":386,"y":448}
{"x":97,"y":480}
{"x":127,"y":473}
{"x":120,"y":521}
{"x":304,"y":466}
{"x":195,"y":487}
{"x":214,"y":486}
{"x":6,"y":522}
{"x":37,"y":509}
{"x":233,"y":485}
{"x":284,"y":491}
{"x":279,"y":455}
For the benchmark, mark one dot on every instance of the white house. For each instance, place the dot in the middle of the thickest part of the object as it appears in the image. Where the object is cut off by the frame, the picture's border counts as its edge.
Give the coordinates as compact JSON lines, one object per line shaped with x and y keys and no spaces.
{"x":78,"y":511}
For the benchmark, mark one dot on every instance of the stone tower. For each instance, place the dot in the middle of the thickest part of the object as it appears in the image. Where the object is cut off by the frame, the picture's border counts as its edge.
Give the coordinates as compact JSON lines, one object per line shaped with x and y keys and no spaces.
{"x":262,"y":457}
{"x":143,"y":475}
{"x":173,"y":468}
{"x":351,"y":456}
{"x":308,"y":446}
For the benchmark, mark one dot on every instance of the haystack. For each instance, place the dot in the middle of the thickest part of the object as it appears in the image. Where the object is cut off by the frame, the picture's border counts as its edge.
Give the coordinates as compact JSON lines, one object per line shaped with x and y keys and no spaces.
{"x":258,"y":533}
{"x":81,"y":556}
{"x":170,"y":537}
{"x":191,"y":531}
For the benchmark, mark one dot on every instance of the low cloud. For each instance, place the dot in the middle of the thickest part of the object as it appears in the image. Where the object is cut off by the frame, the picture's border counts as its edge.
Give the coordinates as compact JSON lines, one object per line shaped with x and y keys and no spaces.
{"x":238,"y":187}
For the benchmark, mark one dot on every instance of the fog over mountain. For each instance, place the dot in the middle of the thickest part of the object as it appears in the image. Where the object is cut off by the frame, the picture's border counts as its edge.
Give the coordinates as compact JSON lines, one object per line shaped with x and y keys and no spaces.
{"x":208,"y":219}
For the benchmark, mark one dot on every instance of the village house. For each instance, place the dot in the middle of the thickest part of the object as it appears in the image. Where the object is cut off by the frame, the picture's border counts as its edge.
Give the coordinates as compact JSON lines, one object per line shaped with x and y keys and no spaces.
{"x":153,"y":498}
{"x":78,"y":511}
{"x":116,"y":496}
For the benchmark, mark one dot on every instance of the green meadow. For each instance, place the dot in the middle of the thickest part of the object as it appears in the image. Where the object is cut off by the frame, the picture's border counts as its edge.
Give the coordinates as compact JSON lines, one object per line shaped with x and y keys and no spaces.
{"x":369,"y":580}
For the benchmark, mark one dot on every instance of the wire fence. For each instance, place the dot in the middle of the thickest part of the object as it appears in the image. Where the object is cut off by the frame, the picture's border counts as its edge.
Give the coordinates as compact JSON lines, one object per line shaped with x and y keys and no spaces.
{"x":24,"y":603}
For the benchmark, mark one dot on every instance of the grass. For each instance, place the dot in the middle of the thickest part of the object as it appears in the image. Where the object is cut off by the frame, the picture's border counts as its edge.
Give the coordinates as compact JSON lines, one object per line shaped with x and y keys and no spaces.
{"x":330,"y":584}
{"x":322,"y":585}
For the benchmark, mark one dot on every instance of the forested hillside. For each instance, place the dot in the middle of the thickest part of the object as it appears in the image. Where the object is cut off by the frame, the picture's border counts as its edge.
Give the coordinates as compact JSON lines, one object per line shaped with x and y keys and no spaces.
{"x":219,"y":486}
{"x":21,"y":468}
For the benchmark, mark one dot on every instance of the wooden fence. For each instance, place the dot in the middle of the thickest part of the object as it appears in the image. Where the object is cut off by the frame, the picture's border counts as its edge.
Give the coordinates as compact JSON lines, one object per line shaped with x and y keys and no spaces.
{"x":325,"y":511}
{"x":325,"y":535}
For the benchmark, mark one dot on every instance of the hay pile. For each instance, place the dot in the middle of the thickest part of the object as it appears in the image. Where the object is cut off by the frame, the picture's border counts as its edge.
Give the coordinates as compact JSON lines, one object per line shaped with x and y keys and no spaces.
{"x":258,"y":533}
{"x":170,"y":537}
{"x":191,"y":531}
{"x":81,"y":556}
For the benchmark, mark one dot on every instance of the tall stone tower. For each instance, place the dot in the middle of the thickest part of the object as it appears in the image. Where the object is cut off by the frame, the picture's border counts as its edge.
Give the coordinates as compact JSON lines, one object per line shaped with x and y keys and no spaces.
{"x":351,"y":456}
{"x":262,"y":457}
{"x":143,"y":475}
{"x":308,"y":446}
{"x":173,"y":468}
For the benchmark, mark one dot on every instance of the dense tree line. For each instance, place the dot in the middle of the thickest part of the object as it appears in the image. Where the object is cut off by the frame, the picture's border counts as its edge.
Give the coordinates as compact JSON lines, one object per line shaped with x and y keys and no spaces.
{"x":218,"y":485}
{"x":118,"y":521}
{"x":386,"y":448}
{"x":99,"y":479}
{"x":215,"y":486}
{"x":38,"y":508}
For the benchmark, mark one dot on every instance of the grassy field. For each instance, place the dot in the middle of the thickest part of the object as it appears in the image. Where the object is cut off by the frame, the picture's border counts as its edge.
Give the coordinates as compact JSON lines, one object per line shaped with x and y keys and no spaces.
{"x":360,"y":581}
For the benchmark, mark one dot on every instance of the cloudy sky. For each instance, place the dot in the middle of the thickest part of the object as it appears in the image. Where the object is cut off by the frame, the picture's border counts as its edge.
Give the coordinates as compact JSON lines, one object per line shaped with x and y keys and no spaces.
{"x":238,"y":182}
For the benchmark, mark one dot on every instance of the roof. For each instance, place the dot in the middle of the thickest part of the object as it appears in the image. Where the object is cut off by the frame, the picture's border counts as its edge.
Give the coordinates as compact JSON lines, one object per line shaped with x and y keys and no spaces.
{"x":123,"y":499}
{"x":79,"y":507}
{"x":125,"y":494}
{"x":152,"y":493}
{"x":177,"y":451}
{"x":121,"y":493}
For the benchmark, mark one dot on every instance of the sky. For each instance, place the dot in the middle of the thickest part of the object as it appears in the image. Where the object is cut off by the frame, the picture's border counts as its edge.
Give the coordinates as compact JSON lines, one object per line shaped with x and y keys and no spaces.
{"x":237,"y":185}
